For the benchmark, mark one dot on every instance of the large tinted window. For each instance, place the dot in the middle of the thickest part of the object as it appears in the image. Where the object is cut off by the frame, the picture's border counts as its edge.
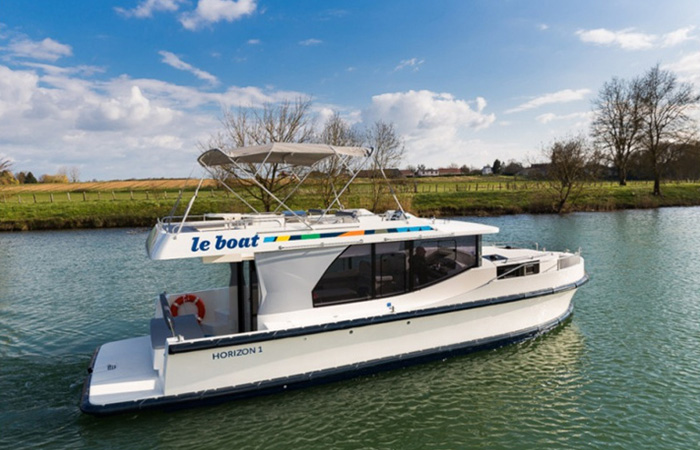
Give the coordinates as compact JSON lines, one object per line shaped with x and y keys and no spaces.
{"x":432,"y":261}
{"x":367,"y":271}
{"x":390,"y":268}
{"x":349,"y":277}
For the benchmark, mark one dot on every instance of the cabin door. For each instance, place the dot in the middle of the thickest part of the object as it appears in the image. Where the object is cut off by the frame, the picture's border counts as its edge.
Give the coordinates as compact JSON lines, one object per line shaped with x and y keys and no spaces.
{"x":244,"y":279}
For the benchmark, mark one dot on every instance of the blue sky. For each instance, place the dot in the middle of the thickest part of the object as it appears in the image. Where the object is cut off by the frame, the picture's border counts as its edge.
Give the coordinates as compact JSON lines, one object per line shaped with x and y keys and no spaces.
{"x":126,"y":89}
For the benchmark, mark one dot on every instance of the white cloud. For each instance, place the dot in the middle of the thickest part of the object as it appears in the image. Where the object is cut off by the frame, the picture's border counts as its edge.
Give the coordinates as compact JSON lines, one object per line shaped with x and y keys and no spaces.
{"x":310,"y":42}
{"x":629,"y":39}
{"x":549,"y":117}
{"x":677,"y":37}
{"x":47,"y":50}
{"x":436,"y":126}
{"x":212,"y":11}
{"x":543,"y":27}
{"x":414,"y":63}
{"x":122,"y":113}
{"x":688,"y":68}
{"x":15,"y":90}
{"x":254,"y":42}
{"x":563,"y":96}
{"x":174,"y":61}
{"x":147,"y":7}
{"x":55,"y":70}
{"x":116,"y":128}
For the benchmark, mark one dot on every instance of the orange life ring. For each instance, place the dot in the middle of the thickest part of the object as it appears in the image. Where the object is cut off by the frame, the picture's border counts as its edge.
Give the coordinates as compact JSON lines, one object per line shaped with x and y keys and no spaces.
{"x":189,"y":298}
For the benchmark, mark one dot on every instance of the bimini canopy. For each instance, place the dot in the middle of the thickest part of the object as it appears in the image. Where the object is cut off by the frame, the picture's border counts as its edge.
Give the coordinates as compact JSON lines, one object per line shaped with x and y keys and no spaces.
{"x":285,"y":153}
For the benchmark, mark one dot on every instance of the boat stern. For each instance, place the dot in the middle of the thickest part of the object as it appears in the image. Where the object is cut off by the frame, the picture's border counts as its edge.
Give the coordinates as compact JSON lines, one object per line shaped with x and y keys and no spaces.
{"x":120,"y":375}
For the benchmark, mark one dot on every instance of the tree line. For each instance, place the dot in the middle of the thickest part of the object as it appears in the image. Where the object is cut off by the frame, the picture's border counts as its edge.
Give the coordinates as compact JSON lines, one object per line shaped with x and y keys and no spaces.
{"x":641,"y":126}
{"x":64,"y":175}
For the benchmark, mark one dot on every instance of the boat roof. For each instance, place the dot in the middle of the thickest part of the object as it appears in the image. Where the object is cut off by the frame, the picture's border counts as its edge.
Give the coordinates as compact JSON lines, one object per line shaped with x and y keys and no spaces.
{"x":296,"y":154}
{"x":230,"y":237}
{"x":236,"y":237}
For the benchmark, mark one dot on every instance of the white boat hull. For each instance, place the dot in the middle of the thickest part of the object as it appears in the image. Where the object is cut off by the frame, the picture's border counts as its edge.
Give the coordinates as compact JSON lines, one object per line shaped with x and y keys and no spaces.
{"x":262,"y":362}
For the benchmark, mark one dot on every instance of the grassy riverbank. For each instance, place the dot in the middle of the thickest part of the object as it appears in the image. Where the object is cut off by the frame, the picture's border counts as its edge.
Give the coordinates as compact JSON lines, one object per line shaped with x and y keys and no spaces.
{"x":140,"y":202}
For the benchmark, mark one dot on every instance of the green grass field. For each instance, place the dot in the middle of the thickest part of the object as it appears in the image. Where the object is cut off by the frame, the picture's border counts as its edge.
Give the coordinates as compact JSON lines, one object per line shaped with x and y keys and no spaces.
{"x":140,"y":203}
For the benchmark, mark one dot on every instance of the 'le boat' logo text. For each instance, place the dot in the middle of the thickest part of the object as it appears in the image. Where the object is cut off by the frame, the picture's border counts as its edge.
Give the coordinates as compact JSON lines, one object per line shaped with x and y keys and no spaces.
{"x":220,"y":243}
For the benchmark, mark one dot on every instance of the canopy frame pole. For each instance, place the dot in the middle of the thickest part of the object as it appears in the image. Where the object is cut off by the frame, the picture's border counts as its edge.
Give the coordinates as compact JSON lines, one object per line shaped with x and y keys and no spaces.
{"x":261,"y":186}
{"x":301,"y":181}
{"x":335,"y":194}
{"x":344,"y":165}
{"x":179,"y":197}
{"x":221,"y":182}
{"x":262,"y":164}
{"x":189,"y":206}
{"x":391,"y":189}
{"x":337,"y":197}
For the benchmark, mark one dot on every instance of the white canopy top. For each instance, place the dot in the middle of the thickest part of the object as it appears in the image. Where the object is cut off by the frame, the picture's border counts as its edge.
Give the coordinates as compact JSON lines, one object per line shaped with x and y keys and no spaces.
{"x":279,"y":152}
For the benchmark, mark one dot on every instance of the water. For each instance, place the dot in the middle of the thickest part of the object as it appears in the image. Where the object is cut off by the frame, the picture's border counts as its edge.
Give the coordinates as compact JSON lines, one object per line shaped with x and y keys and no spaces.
{"x":623,"y":373}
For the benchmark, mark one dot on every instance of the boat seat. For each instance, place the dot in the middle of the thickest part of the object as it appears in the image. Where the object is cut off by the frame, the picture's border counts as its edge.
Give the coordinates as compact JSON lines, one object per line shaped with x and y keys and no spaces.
{"x":185,"y":326}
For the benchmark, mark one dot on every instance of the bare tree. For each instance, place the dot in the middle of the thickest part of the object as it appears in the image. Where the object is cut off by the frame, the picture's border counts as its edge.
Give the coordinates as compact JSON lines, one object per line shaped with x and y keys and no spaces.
{"x":336,"y":131}
{"x":568,"y":160}
{"x":617,"y":125}
{"x":288,"y":121}
{"x":666,"y":121}
{"x":6,"y":176}
{"x":74,"y":174}
{"x":388,"y":153}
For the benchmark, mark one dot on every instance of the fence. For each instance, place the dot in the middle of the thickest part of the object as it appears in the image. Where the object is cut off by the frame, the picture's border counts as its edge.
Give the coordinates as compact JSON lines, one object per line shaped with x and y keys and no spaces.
{"x":401,"y":186}
{"x":86,"y":196}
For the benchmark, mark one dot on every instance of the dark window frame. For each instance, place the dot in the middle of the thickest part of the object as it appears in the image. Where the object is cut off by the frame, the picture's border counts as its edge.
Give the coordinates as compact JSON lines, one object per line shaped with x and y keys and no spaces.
{"x":517,"y":270}
{"x":409,"y":283}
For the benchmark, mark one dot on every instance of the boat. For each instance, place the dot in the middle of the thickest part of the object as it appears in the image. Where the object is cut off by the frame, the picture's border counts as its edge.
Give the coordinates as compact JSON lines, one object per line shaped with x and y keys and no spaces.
{"x":323,"y":294}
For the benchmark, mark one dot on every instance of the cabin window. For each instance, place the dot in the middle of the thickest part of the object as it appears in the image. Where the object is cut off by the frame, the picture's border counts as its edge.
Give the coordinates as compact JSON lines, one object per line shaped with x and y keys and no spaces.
{"x":349,"y":277}
{"x":390,"y":262}
{"x":518,"y":270}
{"x":433,"y":261}
{"x":367,"y":271}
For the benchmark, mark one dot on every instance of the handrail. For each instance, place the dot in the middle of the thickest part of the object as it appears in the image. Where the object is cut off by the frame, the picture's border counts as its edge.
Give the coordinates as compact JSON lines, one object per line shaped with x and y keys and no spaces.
{"x":244,"y":221}
{"x":513,"y":244}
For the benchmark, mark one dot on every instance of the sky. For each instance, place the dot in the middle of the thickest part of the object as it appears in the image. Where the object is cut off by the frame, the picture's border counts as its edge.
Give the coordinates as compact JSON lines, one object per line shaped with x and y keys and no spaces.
{"x":130,"y":89}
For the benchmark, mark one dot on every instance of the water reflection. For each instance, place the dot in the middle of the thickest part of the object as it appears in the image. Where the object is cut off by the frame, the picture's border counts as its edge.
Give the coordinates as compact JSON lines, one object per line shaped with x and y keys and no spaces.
{"x":460,"y":400}
{"x":624,"y":372}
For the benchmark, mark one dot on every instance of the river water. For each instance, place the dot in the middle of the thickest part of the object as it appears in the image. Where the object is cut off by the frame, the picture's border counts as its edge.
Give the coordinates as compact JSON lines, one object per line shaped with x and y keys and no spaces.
{"x":623,"y":373}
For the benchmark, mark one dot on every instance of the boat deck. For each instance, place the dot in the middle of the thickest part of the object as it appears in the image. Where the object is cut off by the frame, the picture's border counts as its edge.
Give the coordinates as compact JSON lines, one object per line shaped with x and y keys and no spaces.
{"x":263,"y":221}
{"x":123,"y":371}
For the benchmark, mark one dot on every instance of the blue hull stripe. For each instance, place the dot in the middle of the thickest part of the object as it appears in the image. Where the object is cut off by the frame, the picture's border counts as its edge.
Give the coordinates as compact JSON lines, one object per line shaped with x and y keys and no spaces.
{"x":356,"y":323}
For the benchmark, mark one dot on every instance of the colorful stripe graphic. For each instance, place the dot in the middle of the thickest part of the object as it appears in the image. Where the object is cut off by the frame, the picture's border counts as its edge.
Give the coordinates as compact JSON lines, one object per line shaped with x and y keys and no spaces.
{"x":299,"y":237}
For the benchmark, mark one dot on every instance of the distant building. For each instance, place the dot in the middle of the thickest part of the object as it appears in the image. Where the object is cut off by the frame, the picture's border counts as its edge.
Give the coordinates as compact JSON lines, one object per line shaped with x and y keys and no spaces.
{"x":390,"y":173}
{"x":441,"y":172}
{"x":427,"y":173}
{"x":449,"y":171}
{"x":487,"y":170}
